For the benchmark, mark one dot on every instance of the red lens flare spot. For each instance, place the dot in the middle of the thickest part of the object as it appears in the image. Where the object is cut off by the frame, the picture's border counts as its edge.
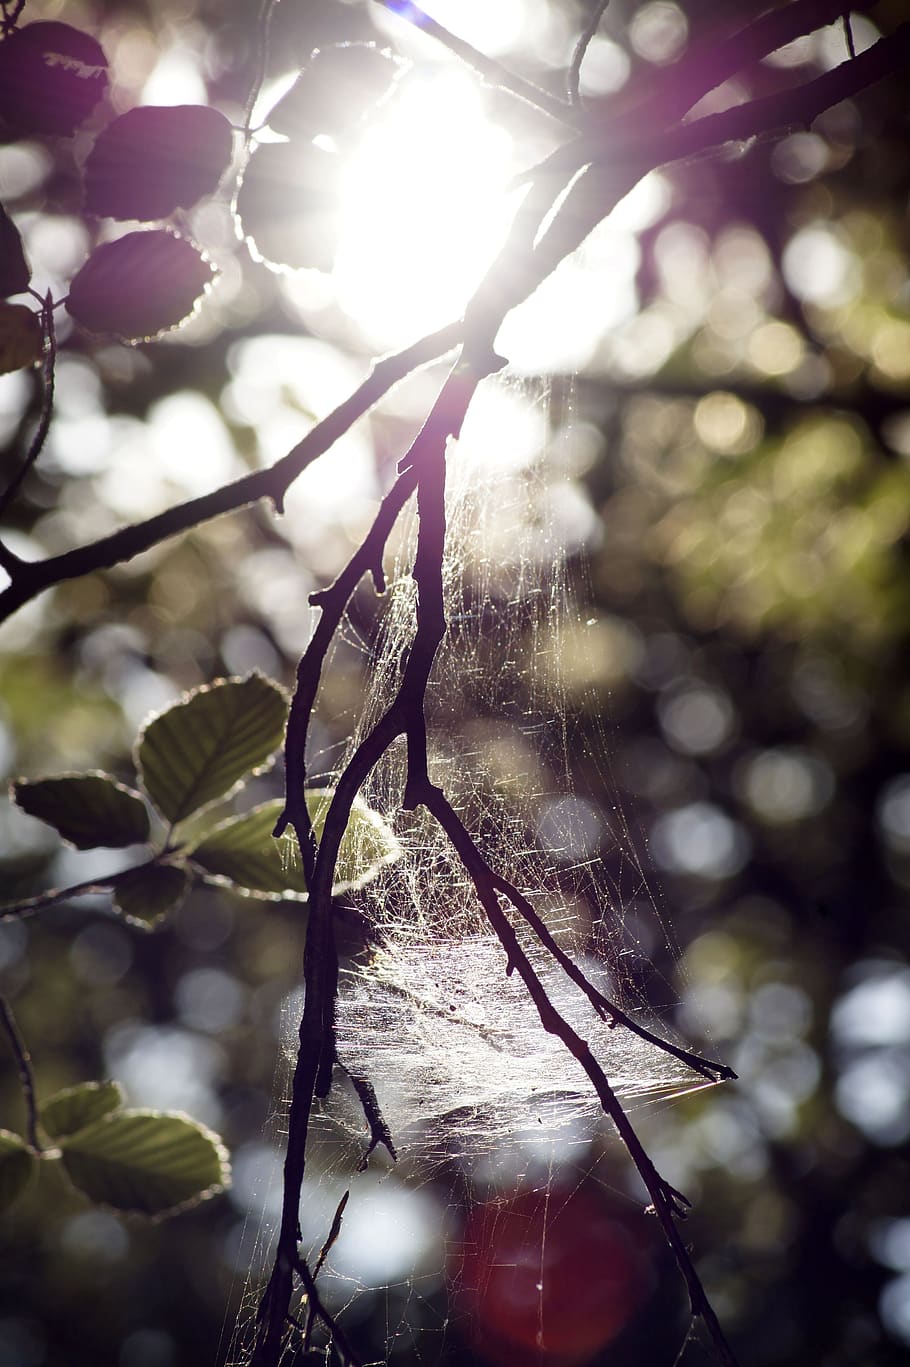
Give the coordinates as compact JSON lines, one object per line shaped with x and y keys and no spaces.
{"x":549,"y":1276}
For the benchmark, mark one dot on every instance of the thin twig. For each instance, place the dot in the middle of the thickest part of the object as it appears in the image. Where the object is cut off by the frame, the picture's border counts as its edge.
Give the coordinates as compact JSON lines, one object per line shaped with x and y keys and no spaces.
{"x":334,"y":1231}
{"x":492,"y":71}
{"x":584,"y":42}
{"x":26,"y":1075}
{"x":263,"y":34}
{"x":607,"y":1010}
{"x":338,"y":1336}
{"x":18,"y":911}
{"x":671,"y":92}
{"x":34,"y":577}
{"x":44,"y":418}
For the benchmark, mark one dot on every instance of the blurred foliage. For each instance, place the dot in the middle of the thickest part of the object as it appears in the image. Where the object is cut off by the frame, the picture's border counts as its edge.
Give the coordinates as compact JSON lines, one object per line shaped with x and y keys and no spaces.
{"x":737,"y":439}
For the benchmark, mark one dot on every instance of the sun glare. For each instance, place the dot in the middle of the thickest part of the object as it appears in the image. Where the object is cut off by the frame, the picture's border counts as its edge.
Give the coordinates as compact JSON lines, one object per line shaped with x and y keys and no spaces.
{"x":426,"y":205}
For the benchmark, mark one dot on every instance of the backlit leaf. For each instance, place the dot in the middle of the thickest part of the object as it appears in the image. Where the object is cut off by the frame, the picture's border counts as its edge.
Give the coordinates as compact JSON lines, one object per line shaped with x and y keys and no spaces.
{"x":140,"y":285}
{"x":366,"y":846}
{"x":17,"y":1167}
{"x":153,"y":160}
{"x":21,"y":338}
{"x":75,"y":1107}
{"x":147,"y":894}
{"x":146,"y":1161}
{"x":244,"y":851}
{"x":201,"y":748}
{"x":335,"y":91}
{"x":51,"y":77}
{"x":288,"y":205}
{"x":87,"y":809}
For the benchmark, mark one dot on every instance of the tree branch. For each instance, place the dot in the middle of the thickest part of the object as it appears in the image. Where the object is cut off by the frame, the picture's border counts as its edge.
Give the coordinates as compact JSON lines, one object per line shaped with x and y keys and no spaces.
{"x":31,"y":578}
{"x":592,"y":24}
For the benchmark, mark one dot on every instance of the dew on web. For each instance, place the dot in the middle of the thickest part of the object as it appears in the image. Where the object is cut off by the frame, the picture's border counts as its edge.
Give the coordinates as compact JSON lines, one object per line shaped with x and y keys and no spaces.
{"x":491,"y":1126}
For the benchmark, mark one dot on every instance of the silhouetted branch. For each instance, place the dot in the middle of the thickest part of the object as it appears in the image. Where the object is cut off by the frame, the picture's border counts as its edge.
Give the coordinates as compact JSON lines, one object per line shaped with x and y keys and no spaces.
{"x":32,"y":578}
{"x":584,"y":42}
{"x":44,"y":418}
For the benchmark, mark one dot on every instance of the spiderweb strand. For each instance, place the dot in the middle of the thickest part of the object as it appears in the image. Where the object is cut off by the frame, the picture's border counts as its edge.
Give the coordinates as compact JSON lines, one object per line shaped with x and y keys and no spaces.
{"x":607,"y":1010}
{"x":581,"y":47}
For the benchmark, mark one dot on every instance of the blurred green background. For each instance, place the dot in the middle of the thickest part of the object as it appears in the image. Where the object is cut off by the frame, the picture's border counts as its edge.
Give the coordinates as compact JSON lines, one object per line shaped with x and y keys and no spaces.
{"x":730,"y":364}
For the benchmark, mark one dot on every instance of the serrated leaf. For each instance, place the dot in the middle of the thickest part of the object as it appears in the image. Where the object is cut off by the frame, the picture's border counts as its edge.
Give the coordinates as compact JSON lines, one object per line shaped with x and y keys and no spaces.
{"x":14,"y":271}
{"x":151,"y":161}
{"x":51,"y":77}
{"x":87,"y":809}
{"x":244,"y":851}
{"x":147,"y":894}
{"x":140,"y":285}
{"x":288,"y":205}
{"x":18,"y":1166}
{"x":201,"y":748}
{"x":335,"y":91}
{"x":21,"y":337}
{"x":152,"y":1162}
{"x":74,"y":1108}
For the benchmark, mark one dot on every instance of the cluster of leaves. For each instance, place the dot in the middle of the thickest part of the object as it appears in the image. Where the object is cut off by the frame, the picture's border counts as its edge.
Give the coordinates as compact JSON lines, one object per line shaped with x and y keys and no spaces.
{"x":148,"y":1162}
{"x":191,"y":760}
{"x":144,"y":165}
{"x":150,"y":162}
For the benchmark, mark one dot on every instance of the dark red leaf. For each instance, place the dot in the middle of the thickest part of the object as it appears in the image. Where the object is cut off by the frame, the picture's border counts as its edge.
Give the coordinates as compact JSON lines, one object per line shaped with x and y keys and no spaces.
{"x":21,"y":337}
{"x":288,"y":204}
{"x":139,"y":285}
{"x":14,"y":271}
{"x":51,"y":78}
{"x":154,"y":160}
{"x":337,"y":87}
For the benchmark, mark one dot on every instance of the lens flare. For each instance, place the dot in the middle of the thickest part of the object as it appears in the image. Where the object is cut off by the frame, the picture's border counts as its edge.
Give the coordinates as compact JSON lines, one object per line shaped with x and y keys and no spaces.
{"x":425,"y":206}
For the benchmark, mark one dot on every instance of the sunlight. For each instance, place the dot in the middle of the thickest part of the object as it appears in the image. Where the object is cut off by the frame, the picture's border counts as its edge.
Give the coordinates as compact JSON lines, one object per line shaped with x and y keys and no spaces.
{"x":426,"y":206}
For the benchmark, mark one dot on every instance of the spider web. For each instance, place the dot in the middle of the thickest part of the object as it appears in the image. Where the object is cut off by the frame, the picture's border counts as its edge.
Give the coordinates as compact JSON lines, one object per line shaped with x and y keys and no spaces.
{"x":478,"y":1100}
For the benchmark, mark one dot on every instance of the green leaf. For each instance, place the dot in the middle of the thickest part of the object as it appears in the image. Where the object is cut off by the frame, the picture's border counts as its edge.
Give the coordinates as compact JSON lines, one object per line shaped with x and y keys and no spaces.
{"x":145,"y":895}
{"x":147,"y":1161}
{"x":87,"y":809}
{"x":18,"y":1166}
{"x":368,"y":842}
{"x":75,"y":1107}
{"x":244,"y":851}
{"x":201,"y":748}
